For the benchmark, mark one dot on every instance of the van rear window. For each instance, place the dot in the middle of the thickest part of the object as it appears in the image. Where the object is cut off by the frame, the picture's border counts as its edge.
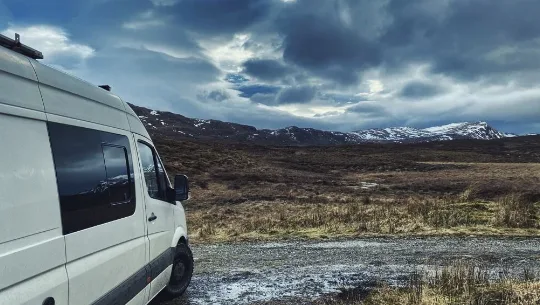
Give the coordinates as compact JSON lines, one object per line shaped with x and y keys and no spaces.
{"x":94,"y":174}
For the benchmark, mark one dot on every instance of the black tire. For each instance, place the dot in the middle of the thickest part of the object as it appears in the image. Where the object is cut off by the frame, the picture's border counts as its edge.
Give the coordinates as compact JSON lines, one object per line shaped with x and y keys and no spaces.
{"x":181,"y":272}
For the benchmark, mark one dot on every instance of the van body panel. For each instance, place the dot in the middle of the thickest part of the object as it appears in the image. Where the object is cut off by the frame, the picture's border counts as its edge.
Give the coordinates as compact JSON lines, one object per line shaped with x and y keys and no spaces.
{"x":75,"y":106}
{"x":178,"y":233}
{"x":17,"y":75}
{"x":22,"y":263}
{"x":117,"y":232}
{"x":16,"y":64}
{"x":65,"y":82}
{"x":32,"y":247}
{"x":68,"y":96}
{"x":35,"y":290}
{"x":160,"y":281}
{"x":136,"y":125}
{"x":95,"y":275}
{"x":140,"y":298}
{"x":27,"y":180}
{"x":22,"y":112}
{"x":28,"y":95}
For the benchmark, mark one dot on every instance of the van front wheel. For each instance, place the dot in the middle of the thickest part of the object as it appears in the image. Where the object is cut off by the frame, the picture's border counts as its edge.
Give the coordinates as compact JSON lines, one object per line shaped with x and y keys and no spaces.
{"x":182,"y":271}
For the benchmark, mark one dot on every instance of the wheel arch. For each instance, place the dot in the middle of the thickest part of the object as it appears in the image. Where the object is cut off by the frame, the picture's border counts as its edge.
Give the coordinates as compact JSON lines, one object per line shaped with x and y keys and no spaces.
{"x":180,"y":236}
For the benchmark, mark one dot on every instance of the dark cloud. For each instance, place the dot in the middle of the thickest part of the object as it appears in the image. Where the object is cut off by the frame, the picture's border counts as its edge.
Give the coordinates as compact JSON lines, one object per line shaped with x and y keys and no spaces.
{"x":250,"y":90}
{"x":218,"y":16}
{"x":321,"y":43}
{"x":341,"y":99}
{"x":262,"y":98}
{"x":266,"y":69}
{"x":299,"y":95}
{"x":152,"y":79}
{"x":369,"y":109}
{"x":418,"y":89}
{"x":465,"y":39}
{"x":155,"y":66}
{"x":290,"y":95}
{"x":158,"y":59}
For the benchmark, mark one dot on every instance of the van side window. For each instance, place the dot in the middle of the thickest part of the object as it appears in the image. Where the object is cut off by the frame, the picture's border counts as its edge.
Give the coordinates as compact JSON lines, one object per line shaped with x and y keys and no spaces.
{"x":118,"y":177}
{"x":94,"y":175}
{"x":154,"y":173}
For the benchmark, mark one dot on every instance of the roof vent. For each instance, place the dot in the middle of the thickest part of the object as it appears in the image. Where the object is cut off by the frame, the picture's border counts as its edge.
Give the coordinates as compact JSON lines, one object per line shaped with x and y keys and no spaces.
{"x":18,"y":47}
{"x":106,"y":87}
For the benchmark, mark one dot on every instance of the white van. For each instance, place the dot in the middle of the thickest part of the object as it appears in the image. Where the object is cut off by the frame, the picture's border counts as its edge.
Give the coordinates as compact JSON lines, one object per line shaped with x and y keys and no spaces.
{"x":87,"y":213}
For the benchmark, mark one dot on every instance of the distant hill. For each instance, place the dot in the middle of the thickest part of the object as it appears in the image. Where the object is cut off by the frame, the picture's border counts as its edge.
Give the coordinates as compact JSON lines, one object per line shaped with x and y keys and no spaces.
{"x":178,"y":126}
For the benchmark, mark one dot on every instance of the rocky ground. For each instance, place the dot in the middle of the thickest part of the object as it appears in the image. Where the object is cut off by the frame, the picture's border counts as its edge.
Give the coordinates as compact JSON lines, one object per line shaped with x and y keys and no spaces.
{"x":289,"y":272}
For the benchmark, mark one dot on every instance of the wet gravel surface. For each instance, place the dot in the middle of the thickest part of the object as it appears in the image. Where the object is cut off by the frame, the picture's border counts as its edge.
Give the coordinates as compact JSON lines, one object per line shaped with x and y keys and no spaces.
{"x":244,"y":273}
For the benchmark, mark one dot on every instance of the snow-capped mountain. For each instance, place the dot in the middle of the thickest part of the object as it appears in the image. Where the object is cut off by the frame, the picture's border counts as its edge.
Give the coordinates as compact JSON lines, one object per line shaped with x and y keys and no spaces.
{"x":464,"y":130}
{"x":178,"y":126}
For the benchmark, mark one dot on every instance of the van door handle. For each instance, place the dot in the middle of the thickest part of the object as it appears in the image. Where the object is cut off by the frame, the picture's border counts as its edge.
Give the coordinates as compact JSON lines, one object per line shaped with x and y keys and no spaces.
{"x":152,"y":217}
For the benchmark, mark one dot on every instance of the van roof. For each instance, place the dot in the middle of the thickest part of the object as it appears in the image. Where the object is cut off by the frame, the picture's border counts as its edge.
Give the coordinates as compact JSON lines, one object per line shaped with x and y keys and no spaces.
{"x":66,"y":95}
{"x":17,"y":46}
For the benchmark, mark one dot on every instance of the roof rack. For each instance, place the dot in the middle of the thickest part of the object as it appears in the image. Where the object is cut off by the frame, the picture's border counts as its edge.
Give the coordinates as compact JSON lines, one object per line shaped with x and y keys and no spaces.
{"x":18,"y":47}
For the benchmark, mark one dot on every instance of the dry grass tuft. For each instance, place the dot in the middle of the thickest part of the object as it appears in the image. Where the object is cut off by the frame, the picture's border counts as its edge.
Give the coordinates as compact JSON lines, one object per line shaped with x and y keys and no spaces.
{"x":458,"y":284}
{"x":516,"y":212}
{"x":358,"y":216}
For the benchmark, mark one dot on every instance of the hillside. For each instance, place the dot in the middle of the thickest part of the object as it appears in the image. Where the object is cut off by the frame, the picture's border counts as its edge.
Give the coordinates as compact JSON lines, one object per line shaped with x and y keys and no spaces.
{"x":181,"y":127}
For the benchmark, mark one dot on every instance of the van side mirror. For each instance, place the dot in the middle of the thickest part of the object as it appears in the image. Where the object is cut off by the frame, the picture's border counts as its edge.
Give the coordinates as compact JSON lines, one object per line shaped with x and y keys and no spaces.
{"x":181,"y":188}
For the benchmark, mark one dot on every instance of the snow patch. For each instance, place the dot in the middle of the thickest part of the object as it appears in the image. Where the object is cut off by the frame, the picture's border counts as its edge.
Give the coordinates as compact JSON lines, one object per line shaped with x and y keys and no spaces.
{"x":368,"y":185}
{"x":200,"y":122}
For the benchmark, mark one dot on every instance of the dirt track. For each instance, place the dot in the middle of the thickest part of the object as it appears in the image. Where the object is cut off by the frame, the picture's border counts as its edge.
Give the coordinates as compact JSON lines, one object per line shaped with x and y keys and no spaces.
{"x":250,"y":272}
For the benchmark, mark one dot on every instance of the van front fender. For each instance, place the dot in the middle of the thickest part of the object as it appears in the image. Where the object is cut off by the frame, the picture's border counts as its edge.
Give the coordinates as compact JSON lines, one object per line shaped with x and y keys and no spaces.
{"x":178,"y":234}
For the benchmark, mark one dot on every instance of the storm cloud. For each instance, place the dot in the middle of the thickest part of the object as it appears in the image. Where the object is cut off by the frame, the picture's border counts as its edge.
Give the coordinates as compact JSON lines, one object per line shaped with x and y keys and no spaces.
{"x":265,"y":69}
{"x":419,"y":90}
{"x":337,"y":64}
{"x":302,"y":94}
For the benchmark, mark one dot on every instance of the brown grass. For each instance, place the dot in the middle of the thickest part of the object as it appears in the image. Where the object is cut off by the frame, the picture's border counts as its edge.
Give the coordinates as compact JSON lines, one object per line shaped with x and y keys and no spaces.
{"x":516,"y":211}
{"x":349,"y":216}
{"x":458,"y":284}
{"x":456,"y":187}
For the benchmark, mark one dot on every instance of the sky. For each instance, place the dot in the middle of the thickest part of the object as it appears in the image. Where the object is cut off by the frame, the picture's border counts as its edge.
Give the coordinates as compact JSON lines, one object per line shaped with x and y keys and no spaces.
{"x":329,"y":64}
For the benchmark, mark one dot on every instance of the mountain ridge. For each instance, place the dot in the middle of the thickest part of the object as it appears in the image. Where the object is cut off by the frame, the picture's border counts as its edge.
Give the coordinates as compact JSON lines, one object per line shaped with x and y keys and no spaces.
{"x":178,"y":126}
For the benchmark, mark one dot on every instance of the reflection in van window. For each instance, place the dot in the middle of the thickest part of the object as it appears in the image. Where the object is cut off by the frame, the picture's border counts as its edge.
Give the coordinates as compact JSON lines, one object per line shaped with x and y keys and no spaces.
{"x":156,"y":188}
{"x":118,"y":178}
{"x":95,"y":180}
{"x":162,"y":178}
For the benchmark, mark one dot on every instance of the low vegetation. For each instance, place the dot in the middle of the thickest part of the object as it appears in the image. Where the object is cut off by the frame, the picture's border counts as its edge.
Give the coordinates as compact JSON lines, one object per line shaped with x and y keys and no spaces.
{"x":244,"y":192}
{"x":320,"y":218}
{"x":458,"y":284}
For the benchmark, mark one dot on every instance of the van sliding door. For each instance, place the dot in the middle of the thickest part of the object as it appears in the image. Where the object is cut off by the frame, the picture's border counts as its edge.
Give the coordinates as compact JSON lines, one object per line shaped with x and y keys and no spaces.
{"x":102,"y":218}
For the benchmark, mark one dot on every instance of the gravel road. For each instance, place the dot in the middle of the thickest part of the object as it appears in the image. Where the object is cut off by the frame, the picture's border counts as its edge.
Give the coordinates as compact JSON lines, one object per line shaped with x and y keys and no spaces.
{"x":243,"y":273}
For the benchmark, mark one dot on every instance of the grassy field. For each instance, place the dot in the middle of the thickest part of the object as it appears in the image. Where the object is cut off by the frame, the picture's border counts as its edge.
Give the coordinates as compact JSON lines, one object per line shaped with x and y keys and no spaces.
{"x":245,"y":192}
